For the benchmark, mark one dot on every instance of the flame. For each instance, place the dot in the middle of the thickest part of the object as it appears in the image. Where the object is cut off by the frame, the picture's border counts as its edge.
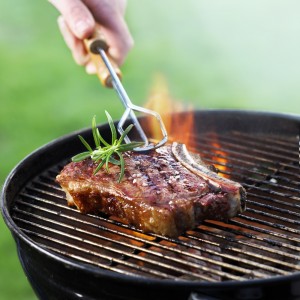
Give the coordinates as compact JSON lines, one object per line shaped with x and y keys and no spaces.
{"x":219,"y":158}
{"x":179,"y":129}
{"x":162,"y":102}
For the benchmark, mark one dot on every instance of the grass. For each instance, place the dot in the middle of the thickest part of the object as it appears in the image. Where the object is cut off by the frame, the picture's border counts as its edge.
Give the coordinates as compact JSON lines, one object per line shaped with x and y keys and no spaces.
{"x":225,"y":55}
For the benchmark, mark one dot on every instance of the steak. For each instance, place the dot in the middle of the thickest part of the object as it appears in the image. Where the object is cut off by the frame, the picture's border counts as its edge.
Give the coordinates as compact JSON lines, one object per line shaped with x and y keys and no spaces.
{"x":165,"y":191}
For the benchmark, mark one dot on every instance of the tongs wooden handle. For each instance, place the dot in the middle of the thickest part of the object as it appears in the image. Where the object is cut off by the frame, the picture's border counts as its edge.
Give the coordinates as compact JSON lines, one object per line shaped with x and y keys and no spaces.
{"x":92,"y":44}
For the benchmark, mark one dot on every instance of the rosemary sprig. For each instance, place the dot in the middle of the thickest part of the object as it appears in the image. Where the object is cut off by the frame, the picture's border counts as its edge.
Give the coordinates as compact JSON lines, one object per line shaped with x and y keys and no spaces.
{"x":105,"y":152}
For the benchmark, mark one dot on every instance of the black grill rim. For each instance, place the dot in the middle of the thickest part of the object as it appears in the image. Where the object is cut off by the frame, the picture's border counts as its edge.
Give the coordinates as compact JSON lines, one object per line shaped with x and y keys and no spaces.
{"x":20,"y":175}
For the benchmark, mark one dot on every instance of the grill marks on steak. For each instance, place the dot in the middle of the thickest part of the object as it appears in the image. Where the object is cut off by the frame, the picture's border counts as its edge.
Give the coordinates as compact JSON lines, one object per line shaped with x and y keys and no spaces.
{"x":159,"y":174}
{"x":157,"y":193}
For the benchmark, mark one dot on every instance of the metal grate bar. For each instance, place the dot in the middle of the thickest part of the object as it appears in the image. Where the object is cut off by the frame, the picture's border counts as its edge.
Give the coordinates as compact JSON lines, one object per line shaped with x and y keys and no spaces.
{"x":242,"y":152}
{"x":112,"y":249}
{"x":281,"y":143}
{"x":111,"y":261}
{"x":234,"y":149}
{"x":273,"y":200}
{"x":273,"y":208}
{"x":253,"y":254}
{"x":251,"y":170}
{"x":272,"y":192}
{"x":261,"y":145}
{"x":252,"y":237}
{"x":271,"y":241}
{"x":264,"y":171}
{"x":257,"y":258}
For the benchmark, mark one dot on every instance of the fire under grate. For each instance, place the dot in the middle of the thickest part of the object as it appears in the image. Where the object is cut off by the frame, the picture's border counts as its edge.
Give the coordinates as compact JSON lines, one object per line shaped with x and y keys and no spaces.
{"x":262,"y":242}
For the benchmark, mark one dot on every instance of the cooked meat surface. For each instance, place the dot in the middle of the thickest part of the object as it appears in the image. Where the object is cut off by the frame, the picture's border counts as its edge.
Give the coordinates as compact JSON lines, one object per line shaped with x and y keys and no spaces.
{"x":157,"y":193}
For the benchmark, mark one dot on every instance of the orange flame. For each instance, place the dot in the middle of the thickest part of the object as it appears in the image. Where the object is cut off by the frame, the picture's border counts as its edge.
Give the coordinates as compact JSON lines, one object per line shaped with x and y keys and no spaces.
{"x":161,"y":101}
{"x":179,"y":129}
{"x":219,"y":157}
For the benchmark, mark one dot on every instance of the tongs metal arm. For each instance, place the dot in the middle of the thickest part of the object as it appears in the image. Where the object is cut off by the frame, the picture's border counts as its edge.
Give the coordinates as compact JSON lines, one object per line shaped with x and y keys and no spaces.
{"x":97,"y":45}
{"x":123,"y":96}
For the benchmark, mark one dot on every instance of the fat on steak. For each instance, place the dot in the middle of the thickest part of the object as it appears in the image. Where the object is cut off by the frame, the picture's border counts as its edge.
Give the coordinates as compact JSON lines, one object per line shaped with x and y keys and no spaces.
{"x":165,"y":191}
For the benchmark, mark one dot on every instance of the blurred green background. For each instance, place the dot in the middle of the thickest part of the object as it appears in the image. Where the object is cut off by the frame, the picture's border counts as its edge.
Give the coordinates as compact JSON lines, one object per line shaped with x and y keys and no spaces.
{"x":213,"y":54}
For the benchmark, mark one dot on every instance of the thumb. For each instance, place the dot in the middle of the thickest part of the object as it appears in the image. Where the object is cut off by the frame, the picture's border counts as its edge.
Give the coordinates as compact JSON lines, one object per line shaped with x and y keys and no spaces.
{"x":77,"y":16}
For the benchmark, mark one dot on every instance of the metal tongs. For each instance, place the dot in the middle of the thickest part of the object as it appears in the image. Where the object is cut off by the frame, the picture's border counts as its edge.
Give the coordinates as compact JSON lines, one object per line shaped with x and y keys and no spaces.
{"x":109,"y":75}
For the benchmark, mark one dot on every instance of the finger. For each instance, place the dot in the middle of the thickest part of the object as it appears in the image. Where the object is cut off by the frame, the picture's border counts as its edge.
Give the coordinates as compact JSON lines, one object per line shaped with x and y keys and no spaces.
{"x":121,"y":41}
{"x":66,"y":33}
{"x":76,"y":46}
{"x":122,"y":6}
{"x":109,"y":13}
{"x":77,"y":16}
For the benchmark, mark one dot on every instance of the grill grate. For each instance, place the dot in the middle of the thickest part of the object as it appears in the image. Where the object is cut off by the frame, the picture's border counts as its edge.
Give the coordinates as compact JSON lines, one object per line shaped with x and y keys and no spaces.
{"x":263,"y":242}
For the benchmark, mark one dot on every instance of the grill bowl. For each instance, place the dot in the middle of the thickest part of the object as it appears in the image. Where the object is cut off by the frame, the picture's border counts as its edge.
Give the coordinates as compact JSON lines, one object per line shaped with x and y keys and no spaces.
{"x":261,"y":151}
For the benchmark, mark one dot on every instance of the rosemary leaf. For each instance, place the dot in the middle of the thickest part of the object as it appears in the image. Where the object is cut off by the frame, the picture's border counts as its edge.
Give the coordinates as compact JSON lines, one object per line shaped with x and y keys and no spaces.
{"x":129,"y":147}
{"x":85,"y":143}
{"x":99,"y":167}
{"x":81,"y":156}
{"x":122,"y":163}
{"x":125,"y":132}
{"x":112,"y":127}
{"x":105,"y":153}
{"x":95,"y":133}
{"x":114,"y":161}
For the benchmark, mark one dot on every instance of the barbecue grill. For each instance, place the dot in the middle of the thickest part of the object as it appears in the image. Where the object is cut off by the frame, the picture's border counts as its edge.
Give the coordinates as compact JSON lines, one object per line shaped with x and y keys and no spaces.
{"x":256,"y":255}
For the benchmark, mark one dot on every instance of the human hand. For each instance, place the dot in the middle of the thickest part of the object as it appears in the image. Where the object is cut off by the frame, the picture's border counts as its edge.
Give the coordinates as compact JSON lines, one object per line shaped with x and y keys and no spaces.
{"x":78,"y":20}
